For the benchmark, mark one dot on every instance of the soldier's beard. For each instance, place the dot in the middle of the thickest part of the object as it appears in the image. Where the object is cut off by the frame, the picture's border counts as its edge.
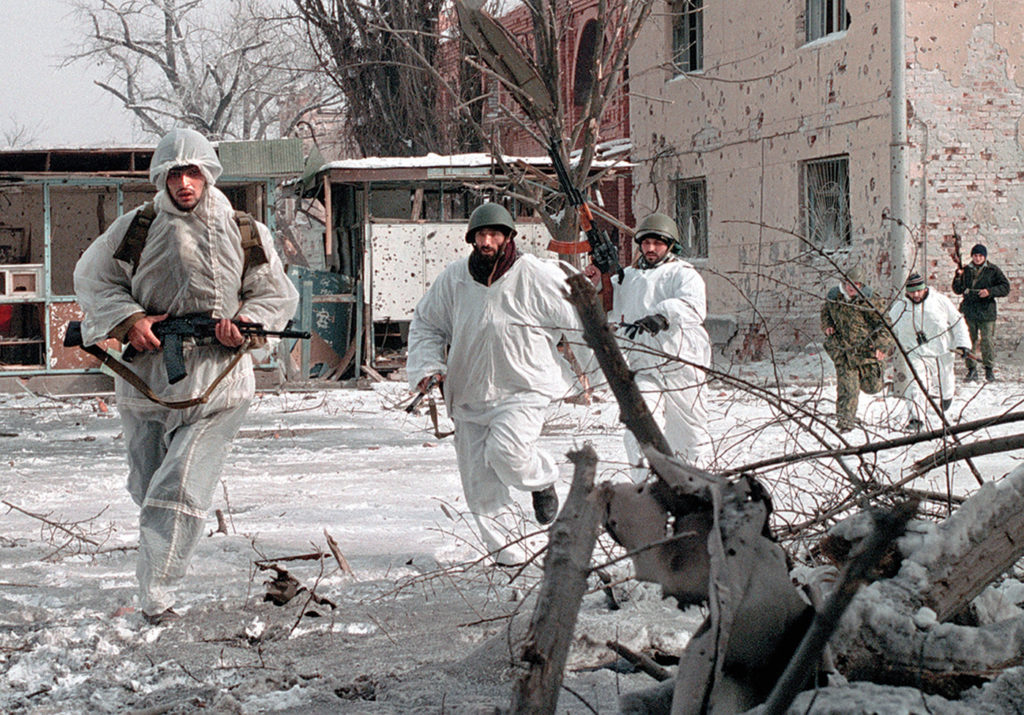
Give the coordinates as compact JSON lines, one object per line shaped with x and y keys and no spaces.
{"x":487,"y":259}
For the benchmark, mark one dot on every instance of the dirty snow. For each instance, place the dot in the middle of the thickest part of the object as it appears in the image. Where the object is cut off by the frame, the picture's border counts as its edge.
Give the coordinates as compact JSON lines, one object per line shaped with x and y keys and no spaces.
{"x":423,"y":622}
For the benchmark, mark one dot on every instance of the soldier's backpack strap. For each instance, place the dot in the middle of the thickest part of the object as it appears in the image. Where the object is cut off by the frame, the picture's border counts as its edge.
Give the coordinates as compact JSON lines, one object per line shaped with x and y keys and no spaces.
{"x":135,"y":237}
{"x":130,"y":250}
{"x":252,"y":247}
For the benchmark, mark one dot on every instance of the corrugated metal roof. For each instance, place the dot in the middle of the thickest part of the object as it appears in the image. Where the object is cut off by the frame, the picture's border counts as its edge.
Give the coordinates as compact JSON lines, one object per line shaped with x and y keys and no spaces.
{"x":270,"y":157}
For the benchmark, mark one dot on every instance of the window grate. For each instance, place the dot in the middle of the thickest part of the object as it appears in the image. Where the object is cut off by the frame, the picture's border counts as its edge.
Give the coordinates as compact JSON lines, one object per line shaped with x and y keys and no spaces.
{"x":827,"y":202}
{"x":692,"y":217}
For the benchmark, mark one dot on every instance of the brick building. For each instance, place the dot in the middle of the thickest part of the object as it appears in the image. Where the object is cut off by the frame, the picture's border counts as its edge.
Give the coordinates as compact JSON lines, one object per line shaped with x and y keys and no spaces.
{"x":784,"y":139}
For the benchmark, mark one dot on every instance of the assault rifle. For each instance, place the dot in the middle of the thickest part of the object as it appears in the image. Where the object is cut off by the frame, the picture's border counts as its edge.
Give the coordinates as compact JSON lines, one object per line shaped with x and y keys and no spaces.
{"x":956,"y":252}
{"x":431,"y":383}
{"x":172,"y":333}
{"x":603,"y":252}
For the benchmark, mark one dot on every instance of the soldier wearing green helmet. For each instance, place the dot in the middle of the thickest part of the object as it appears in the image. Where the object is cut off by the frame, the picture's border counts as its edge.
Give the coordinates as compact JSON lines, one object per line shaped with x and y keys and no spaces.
{"x":490,"y":214}
{"x":660,"y":308}
{"x":501,"y":315}
{"x":658,"y":225}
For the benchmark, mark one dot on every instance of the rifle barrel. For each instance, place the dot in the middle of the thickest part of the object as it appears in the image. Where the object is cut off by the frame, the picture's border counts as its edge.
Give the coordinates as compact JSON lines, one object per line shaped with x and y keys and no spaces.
{"x":257,"y":329}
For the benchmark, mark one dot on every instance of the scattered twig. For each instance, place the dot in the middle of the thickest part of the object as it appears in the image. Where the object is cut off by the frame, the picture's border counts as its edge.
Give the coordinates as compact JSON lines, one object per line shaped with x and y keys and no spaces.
{"x":67,"y":529}
{"x":342,"y":562}
{"x":640,"y":661}
{"x":222,"y":524}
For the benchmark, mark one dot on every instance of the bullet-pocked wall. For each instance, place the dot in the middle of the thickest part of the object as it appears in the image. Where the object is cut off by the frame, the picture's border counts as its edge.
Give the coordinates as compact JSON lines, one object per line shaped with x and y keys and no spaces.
{"x":739,"y":122}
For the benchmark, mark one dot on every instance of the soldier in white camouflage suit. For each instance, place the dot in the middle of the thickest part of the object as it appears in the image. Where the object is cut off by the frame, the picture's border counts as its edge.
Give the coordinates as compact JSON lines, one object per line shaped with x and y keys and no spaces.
{"x":931,"y":333}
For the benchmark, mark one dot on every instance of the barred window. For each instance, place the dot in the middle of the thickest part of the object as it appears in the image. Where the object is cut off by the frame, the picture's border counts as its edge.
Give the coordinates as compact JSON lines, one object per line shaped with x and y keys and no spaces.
{"x":692,"y":217}
{"x":826,"y":201}
{"x":687,"y":35}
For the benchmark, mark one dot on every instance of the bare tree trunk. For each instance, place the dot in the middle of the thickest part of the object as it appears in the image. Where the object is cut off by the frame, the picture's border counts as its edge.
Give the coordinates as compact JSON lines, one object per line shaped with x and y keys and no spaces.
{"x":598,"y":335}
{"x":565,"y":581}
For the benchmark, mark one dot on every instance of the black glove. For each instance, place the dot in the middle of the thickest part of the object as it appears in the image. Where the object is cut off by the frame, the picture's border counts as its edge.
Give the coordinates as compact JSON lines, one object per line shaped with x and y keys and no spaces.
{"x":652,"y":324}
{"x":962,"y":352}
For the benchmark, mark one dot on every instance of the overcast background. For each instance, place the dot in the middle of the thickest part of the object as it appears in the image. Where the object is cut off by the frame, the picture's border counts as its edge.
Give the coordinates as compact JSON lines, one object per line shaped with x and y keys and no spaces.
{"x":59,"y":107}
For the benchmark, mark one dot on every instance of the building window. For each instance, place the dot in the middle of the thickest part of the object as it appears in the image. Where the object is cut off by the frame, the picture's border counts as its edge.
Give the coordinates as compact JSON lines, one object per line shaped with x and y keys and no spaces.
{"x":825,"y":17}
{"x":692,"y":217}
{"x":687,"y":35}
{"x":826,"y":190}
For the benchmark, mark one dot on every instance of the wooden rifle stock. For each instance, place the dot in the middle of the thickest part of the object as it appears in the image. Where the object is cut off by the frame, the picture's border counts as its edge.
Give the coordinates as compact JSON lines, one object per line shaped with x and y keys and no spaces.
{"x":957,"y":250}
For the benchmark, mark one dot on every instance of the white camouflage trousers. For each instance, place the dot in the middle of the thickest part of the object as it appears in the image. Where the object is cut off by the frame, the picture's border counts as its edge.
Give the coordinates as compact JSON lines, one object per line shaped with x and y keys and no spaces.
{"x":496,"y":447}
{"x":937,"y":372}
{"x":172,"y":477}
{"x":681,"y":414}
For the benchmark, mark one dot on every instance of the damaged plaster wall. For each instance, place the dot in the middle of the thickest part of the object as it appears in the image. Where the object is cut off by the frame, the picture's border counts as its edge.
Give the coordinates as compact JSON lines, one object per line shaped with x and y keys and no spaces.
{"x":764,"y":102}
{"x":405,"y":259}
{"x":965,"y":86}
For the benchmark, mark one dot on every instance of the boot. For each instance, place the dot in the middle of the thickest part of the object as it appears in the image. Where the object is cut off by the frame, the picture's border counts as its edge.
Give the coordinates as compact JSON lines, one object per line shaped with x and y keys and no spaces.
{"x":990,"y":375}
{"x":972,"y":375}
{"x":946,"y":403}
{"x":914,"y":425}
{"x":545,"y":505}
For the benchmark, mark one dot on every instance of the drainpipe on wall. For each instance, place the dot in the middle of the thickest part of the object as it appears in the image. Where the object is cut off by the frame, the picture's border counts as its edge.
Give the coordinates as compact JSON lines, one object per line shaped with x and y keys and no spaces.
{"x":898,"y":180}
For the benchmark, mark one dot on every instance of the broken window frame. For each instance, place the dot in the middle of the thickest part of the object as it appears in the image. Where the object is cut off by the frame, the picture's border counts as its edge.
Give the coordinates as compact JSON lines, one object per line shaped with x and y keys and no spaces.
{"x":825,"y":17}
{"x":691,"y":197}
{"x":687,"y":36}
{"x":825,"y":188}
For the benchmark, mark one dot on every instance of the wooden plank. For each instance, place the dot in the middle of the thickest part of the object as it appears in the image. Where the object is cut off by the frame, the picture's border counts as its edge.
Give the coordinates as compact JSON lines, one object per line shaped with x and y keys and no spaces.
{"x":972,"y":570}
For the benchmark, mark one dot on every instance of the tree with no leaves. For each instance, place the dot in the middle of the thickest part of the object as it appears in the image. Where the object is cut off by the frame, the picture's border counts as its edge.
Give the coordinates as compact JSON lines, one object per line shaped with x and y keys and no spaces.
{"x":381,"y":55}
{"x":402,"y":66}
{"x":227,"y":69}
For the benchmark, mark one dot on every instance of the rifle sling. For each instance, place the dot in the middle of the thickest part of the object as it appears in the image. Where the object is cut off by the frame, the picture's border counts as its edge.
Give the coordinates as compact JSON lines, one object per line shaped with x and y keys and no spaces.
{"x":139,"y":384}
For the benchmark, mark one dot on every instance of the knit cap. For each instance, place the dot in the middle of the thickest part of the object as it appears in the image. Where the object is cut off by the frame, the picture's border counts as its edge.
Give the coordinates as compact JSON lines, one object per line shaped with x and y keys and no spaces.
{"x":915,"y":282}
{"x":980,"y":248}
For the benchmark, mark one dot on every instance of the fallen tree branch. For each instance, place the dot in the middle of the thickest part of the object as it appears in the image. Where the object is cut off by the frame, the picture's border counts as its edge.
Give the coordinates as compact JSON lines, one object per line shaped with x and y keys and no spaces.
{"x":871,"y":447}
{"x":640,"y":661}
{"x":948,"y":455}
{"x":889,"y":526}
{"x":269,"y":563}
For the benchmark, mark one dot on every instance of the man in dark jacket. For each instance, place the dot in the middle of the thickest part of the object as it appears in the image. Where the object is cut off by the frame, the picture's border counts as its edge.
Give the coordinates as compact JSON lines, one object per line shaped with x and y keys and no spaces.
{"x":980,"y":283}
{"x":858,"y":341}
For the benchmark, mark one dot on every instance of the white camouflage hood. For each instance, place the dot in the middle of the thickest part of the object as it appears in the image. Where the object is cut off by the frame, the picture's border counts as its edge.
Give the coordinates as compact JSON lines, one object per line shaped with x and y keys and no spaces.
{"x":184,"y":147}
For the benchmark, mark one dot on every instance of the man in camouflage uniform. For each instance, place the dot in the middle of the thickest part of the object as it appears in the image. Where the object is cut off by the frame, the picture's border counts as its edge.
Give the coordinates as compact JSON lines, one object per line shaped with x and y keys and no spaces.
{"x":857,"y":340}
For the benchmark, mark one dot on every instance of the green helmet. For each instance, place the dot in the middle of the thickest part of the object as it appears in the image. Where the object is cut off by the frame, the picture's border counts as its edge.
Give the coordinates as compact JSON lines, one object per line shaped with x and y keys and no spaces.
{"x":659,"y":226}
{"x":855,"y":274}
{"x":490,"y":214}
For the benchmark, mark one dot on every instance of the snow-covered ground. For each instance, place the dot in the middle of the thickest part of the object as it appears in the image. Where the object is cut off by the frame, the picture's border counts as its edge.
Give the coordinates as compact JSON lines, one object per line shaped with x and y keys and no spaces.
{"x":420,"y":625}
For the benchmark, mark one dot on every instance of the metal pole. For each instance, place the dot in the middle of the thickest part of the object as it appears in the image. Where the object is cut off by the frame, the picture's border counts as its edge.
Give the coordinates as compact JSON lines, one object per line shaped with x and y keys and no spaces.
{"x":898,"y":180}
{"x":306,"y":308}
